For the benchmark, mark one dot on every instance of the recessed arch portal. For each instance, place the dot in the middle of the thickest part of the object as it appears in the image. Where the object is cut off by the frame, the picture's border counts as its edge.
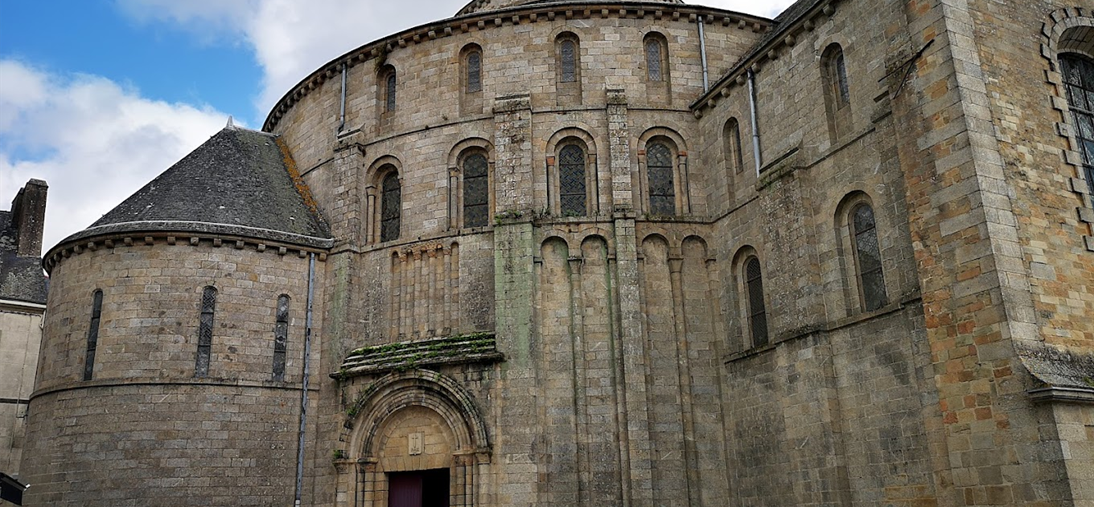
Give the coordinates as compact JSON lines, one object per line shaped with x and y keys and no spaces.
{"x":414,"y":421}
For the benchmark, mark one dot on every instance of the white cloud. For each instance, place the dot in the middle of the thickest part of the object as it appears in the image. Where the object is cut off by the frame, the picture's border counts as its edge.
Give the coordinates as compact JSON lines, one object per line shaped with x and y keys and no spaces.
{"x":97,"y":142}
{"x":93,"y":141}
{"x":766,"y":8}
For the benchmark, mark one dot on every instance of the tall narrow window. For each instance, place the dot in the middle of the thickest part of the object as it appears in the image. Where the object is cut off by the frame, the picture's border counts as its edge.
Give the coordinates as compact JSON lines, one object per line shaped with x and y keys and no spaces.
{"x":568,"y":69}
{"x":390,"y":207}
{"x":474,"y":71}
{"x":387,"y":80}
{"x":1078,"y":73}
{"x":476,"y":190}
{"x":571,"y":175}
{"x":839,"y":76}
{"x":871,"y":275}
{"x":757,"y":313}
{"x":653,"y":59}
{"x":205,"y":331}
{"x":567,"y":60}
{"x":659,"y":169}
{"x":281,"y":337}
{"x":837,"y":92}
{"x":93,"y":334}
{"x":471,"y":97}
{"x":731,"y":149}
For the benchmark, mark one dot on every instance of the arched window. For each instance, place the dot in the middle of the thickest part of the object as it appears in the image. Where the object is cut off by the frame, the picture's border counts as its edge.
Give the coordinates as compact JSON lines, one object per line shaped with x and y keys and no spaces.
{"x":390,"y":206}
{"x":473,"y":65}
{"x":837,"y":70}
{"x":471,"y":100}
{"x":205,"y":331}
{"x":476,"y":190}
{"x":867,"y":257}
{"x":281,"y":337}
{"x":757,"y":313}
{"x":93,"y":334}
{"x":568,"y":69}
{"x":837,"y":91}
{"x":1078,"y":76}
{"x":571,"y":176}
{"x":388,"y":84}
{"x":731,"y":146}
{"x":654,"y":59}
{"x":567,"y":60}
{"x":659,"y":169}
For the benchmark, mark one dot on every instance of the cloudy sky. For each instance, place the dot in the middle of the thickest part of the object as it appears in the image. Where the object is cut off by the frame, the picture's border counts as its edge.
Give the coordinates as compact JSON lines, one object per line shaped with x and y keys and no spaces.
{"x":97,"y":97}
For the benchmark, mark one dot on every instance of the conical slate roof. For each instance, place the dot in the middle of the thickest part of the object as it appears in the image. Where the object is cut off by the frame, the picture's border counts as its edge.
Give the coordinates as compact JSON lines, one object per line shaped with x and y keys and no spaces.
{"x":240,"y":182}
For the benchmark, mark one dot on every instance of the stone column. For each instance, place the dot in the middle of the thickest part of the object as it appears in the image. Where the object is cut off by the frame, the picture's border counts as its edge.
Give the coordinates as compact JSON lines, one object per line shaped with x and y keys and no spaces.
{"x":676,"y":264}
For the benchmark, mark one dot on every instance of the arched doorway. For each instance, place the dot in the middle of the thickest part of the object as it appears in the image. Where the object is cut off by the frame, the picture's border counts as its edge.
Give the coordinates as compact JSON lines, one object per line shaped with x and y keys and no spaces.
{"x":417,"y":441}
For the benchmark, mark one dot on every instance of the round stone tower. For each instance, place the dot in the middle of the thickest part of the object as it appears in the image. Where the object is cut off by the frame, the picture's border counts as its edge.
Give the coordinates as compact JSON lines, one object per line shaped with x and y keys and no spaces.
{"x":173,"y":355}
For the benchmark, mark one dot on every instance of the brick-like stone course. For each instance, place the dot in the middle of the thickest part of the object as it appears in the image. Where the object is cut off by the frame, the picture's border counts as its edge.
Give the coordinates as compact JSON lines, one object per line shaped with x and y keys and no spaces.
{"x":628,"y":374}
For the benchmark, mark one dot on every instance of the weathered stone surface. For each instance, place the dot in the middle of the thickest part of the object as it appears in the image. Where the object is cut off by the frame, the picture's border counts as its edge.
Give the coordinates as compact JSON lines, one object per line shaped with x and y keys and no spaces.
{"x":925,"y":280}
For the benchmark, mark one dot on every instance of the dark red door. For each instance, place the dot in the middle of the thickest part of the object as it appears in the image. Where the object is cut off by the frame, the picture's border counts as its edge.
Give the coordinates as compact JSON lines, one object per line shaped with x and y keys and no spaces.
{"x":418,"y":489}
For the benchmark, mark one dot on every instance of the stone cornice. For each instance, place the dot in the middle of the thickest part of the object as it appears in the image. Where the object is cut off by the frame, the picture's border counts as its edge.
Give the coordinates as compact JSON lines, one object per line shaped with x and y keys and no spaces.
{"x":508,"y":16}
{"x":1063,"y":395}
{"x":213,"y":238}
{"x":21,"y":307}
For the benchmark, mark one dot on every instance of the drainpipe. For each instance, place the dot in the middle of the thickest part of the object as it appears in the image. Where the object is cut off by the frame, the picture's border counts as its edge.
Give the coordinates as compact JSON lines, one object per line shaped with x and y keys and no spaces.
{"x":342,"y":113}
{"x":755,"y":122}
{"x":703,"y":54}
{"x":304,"y":384}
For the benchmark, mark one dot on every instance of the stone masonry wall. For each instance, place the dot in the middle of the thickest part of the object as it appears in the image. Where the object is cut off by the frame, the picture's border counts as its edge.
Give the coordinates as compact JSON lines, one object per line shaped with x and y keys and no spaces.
{"x":229,"y":438}
{"x":837,"y":410}
{"x":20,"y":337}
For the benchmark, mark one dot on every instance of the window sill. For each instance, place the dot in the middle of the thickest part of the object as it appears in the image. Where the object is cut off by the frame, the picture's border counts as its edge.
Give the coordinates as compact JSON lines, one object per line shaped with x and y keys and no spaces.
{"x":825,"y":329}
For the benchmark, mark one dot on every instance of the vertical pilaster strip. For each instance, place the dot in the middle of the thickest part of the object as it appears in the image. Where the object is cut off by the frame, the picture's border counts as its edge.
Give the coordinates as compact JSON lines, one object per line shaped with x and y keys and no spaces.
{"x":619,"y":151}
{"x":513,"y":293}
{"x":345,"y":217}
{"x":631,"y":354}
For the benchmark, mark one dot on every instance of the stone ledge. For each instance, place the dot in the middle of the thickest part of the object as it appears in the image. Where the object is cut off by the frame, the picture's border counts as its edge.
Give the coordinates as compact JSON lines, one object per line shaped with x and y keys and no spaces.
{"x":1062,"y":394}
{"x":180,"y":382}
{"x":401,"y":356}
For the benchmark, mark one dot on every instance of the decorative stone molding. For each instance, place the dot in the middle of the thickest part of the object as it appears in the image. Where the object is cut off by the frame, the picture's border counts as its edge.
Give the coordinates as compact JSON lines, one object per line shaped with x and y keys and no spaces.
{"x":213,"y":238}
{"x":380,"y":403}
{"x":512,"y":16}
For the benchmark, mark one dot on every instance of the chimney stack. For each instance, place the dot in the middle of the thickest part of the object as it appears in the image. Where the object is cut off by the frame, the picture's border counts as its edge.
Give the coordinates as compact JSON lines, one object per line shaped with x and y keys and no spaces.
{"x":28,"y":217}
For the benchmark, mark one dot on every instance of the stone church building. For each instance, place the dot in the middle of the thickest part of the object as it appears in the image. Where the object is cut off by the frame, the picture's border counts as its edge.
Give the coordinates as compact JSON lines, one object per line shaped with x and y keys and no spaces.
{"x":558,"y":253}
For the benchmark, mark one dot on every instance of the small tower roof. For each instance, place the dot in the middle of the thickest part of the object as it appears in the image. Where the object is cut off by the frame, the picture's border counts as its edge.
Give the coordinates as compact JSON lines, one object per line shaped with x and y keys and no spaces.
{"x":240,"y":182}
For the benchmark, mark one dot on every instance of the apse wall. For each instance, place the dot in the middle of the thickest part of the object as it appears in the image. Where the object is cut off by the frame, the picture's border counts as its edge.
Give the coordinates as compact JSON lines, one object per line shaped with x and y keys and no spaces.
{"x":189,"y":399}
